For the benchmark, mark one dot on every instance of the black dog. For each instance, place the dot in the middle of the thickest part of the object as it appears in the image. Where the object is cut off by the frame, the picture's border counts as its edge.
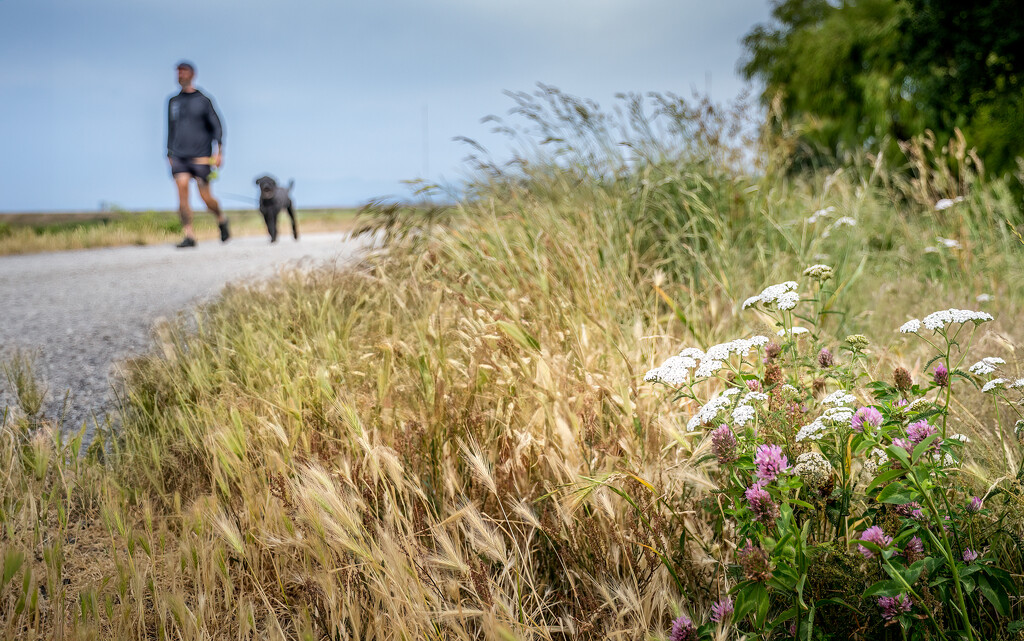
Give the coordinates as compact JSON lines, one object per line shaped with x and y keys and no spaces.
{"x":272,"y":200}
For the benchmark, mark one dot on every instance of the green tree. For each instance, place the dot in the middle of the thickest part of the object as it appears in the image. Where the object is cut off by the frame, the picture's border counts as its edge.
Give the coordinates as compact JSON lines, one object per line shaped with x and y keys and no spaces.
{"x":850,"y":75}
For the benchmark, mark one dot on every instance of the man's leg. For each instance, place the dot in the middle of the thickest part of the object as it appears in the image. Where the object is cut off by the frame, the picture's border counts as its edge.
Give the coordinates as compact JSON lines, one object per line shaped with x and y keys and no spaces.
{"x":214,"y":207}
{"x":184,"y":209}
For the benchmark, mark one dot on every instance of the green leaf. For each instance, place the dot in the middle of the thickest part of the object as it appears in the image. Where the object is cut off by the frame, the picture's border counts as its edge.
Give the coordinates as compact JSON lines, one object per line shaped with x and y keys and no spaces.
{"x":803,"y":504}
{"x":786,"y":615}
{"x":888,"y":587}
{"x":885,"y":477}
{"x":997,"y":597}
{"x":746,"y":599}
{"x":899,"y":454}
{"x":12,"y":563}
{"x":896,"y":493}
{"x":924,"y":445}
{"x":762,"y":606}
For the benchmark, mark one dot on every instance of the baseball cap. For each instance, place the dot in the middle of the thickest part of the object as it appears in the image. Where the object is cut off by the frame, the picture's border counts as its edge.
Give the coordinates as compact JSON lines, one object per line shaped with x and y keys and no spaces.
{"x":185,"y":63}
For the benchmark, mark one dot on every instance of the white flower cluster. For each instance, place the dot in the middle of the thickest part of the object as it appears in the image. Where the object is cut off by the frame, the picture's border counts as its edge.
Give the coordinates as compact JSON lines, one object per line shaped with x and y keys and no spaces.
{"x":839,"y":397}
{"x":676,"y":369}
{"x":708,"y":367}
{"x":783,"y":296}
{"x":1002,"y":383}
{"x":754,"y":396}
{"x":740,"y":347}
{"x":813,"y":468}
{"x":819,"y":272}
{"x":910,"y":327}
{"x":743,"y":414}
{"x":948,"y":243}
{"x":711,"y":409}
{"x":821,"y":213}
{"x":986,"y":365}
{"x":959,"y":437}
{"x":983,"y":298}
{"x":795,"y":331}
{"x":995,"y":383}
{"x":837,"y":415}
{"x":832,"y":417}
{"x":812,"y":431}
{"x":877,"y":459}
{"x":938,"y":320}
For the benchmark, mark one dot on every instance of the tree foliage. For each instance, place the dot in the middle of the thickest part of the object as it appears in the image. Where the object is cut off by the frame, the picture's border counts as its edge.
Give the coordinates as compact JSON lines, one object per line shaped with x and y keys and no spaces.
{"x":853,"y":74}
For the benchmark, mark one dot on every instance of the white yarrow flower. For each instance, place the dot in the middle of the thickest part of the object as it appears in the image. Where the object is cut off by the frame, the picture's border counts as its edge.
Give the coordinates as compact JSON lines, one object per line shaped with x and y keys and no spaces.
{"x":986,"y":365}
{"x":708,"y":367}
{"x":838,"y":415}
{"x":910,"y":327}
{"x":948,"y":243}
{"x":839,"y":397}
{"x":938,"y":320}
{"x":674,"y":371}
{"x":773,"y":295}
{"x":754,"y":396}
{"x":711,"y":409}
{"x":983,"y":298}
{"x":743,"y":414}
{"x":995,"y":383}
{"x":788,"y":300}
{"x":812,"y":431}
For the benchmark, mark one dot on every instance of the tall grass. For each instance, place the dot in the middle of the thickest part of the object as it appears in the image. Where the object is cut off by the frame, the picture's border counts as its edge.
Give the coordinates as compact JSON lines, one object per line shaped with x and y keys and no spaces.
{"x":452,"y":438}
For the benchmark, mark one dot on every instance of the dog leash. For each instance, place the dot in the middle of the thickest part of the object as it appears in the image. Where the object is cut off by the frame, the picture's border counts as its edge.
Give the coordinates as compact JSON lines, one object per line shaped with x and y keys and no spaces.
{"x":245,"y":199}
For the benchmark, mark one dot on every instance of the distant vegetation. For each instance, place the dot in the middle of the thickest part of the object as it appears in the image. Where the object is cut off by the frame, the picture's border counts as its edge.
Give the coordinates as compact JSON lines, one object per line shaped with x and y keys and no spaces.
{"x":32,"y":233}
{"x":478,"y":432}
{"x":870,"y":74}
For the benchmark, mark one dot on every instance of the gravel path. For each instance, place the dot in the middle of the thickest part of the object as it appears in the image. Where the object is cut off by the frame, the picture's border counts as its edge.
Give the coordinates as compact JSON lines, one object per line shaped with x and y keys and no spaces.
{"x":82,"y":311}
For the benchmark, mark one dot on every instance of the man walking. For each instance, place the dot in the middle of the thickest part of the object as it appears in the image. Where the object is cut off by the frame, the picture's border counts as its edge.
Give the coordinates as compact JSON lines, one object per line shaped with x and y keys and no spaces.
{"x":192,"y":127}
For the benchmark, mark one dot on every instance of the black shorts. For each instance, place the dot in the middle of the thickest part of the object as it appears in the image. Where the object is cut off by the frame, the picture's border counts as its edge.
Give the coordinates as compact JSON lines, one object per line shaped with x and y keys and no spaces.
{"x":189,"y":166}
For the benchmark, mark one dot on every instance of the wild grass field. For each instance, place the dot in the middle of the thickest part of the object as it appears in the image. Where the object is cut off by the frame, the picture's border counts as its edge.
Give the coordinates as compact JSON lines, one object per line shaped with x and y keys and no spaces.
{"x":30,"y":233}
{"x":474,"y":433}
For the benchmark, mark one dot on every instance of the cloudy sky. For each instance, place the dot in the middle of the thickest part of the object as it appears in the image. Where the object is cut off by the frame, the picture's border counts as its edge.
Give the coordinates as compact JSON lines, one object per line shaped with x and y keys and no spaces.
{"x":348,"y":98}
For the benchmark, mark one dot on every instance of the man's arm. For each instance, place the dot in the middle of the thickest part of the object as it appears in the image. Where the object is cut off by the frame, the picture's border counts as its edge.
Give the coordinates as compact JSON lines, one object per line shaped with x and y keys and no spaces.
{"x":170,"y":128}
{"x":217,"y":131}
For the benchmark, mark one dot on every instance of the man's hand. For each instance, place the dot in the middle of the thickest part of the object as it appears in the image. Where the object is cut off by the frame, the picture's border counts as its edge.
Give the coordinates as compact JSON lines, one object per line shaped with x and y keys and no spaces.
{"x":217,"y":159}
